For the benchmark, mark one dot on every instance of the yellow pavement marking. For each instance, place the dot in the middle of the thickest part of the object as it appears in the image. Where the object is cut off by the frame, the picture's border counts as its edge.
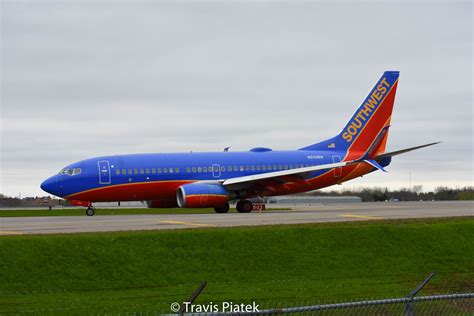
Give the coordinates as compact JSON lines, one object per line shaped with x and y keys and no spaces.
{"x":360,"y":216}
{"x":188,"y":223}
{"x":123,"y":220}
{"x":10,"y":232}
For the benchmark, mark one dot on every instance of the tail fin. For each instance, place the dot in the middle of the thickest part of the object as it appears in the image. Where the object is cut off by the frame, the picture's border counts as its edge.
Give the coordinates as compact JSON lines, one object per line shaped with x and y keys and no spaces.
{"x":368,"y":121}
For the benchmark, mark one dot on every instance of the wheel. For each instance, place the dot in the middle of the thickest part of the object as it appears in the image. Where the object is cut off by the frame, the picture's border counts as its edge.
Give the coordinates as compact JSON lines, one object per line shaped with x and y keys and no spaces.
{"x":223,"y":209}
{"x":90,"y":211}
{"x":244,"y":206}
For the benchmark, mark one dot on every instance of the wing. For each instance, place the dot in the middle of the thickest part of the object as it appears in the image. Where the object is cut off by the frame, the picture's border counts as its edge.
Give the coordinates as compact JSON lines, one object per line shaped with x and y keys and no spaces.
{"x":280,"y":176}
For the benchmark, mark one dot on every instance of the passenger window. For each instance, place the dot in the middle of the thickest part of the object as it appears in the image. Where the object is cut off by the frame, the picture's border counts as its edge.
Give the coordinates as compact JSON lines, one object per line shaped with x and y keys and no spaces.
{"x":117,"y":171}
{"x":165,"y":170}
{"x":280,"y":167}
{"x":246,"y":168}
{"x":258,"y":167}
{"x":147,"y":170}
{"x":153,"y":170}
{"x":199,"y":169}
{"x":159,"y":170}
{"x":124,"y":171}
{"x":275,"y":167}
{"x":135,"y":171}
{"x":236,"y":168}
{"x":229,"y":168}
{"x":264,"y":168}
{"x":129,"y":171}
{"x":291,"y":166}
{"x":142,"y":171}
{"x":286,"y":167}
{"x":176,"y":170}
{"x":222,"y":168}
{"x":188,"y":169}
{"x":171,"y":170}
{"x":194,"y":169}
{"x":205,"y":169}
{"x":252,"y":168}
{"x":241,"y":168}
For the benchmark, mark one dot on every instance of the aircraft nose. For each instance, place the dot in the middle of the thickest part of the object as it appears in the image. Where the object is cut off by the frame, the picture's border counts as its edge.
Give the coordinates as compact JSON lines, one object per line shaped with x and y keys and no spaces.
{"x":50,"y":185}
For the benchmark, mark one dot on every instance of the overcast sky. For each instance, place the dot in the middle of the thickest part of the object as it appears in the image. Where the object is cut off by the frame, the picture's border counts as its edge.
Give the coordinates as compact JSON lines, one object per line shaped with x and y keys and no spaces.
{"x":81,"y":79}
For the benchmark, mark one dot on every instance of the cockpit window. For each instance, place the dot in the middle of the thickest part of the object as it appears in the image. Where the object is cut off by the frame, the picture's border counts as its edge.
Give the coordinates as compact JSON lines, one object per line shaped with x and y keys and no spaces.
{"x":71,"y":172}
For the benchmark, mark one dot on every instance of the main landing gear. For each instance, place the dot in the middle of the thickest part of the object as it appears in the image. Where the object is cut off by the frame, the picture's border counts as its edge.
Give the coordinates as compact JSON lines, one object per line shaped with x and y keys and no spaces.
{"x":90,"y":211}
{"x":223,"y":209}
{"x":244,"y":206}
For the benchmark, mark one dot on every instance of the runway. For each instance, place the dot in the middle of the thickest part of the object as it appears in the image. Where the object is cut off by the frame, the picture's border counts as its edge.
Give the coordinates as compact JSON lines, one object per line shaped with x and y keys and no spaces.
{"x":298,"y":215}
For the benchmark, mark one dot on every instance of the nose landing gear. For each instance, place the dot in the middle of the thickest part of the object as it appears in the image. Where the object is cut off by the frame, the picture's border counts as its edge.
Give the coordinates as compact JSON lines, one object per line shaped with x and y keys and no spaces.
{"x":90,"y":211}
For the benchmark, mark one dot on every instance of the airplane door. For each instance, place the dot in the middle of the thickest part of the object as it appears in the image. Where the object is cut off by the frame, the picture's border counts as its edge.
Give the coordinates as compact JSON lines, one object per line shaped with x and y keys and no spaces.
{"x":216,"y":170}
{"x":104,"y":171}
{"x":337,"y":171}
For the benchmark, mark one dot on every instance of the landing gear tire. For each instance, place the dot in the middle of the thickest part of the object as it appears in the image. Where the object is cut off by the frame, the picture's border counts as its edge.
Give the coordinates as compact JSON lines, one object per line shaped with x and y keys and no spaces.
{"x":90,"y":211}
{"x":223,"y":209}
{"x":244,"y":206}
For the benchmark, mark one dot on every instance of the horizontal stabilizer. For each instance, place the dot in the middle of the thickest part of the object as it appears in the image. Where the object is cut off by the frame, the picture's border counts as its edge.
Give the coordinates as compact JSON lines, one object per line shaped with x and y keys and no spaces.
{"x":399,"y":152}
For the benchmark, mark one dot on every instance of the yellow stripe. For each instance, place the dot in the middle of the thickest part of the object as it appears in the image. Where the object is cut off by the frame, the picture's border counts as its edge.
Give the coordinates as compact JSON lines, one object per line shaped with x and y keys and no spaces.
{"x":360,"y":216}
{"x":216,"y":195}
{"x":188,"y":223}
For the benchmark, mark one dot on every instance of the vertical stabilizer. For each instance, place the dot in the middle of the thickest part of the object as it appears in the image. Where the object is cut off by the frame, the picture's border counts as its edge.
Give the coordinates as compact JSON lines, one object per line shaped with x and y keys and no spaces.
{"x":367,"y":123}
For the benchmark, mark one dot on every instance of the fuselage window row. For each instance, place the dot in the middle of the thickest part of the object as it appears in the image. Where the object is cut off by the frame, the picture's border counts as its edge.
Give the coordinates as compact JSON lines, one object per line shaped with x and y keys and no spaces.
{"x":216,"y":169}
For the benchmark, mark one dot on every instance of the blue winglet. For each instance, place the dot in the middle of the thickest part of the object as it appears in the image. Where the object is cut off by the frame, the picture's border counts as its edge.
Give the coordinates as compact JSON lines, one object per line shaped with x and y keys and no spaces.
{"x":375,"y":164}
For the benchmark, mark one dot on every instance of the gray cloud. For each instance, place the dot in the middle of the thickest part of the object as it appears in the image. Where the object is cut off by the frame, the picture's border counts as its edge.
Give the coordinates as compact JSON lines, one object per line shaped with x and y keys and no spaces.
{"x":82,"y":79}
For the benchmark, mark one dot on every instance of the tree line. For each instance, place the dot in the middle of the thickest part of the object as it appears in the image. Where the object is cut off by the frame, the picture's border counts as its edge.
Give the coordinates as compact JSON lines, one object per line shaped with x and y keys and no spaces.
{"x":415,"y":193}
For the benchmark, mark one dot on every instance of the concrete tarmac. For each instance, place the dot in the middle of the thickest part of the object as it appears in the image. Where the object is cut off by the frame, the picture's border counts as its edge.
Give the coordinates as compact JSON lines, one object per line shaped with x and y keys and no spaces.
{"x":300,"y":214}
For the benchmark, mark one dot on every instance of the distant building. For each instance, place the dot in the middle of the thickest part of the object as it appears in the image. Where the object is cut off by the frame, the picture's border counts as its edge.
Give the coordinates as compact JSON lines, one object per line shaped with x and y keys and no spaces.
{"x":291,"y":199}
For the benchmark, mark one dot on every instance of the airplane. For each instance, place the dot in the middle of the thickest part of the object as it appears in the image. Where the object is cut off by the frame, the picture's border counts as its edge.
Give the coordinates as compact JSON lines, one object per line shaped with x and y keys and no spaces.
{"x":213,"y":179}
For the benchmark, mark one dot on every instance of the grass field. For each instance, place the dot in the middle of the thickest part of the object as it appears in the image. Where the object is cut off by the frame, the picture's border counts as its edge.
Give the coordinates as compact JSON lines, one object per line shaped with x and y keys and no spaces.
{"x":273,"y":265}
{"x":111,"y":211}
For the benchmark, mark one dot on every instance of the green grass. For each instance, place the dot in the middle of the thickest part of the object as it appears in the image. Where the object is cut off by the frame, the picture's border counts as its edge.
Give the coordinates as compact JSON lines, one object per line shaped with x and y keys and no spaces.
{"x":273,"y":265}
{"x":114,"y":211}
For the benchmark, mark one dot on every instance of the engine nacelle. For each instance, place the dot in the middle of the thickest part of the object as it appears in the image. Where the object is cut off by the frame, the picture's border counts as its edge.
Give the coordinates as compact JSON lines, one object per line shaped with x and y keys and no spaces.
{"x":161,"y":204}
{"x":202,"y":195}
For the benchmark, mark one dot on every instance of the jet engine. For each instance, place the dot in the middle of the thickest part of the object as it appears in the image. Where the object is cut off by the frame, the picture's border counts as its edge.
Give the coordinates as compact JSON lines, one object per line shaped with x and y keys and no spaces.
{"x":202,"y":195}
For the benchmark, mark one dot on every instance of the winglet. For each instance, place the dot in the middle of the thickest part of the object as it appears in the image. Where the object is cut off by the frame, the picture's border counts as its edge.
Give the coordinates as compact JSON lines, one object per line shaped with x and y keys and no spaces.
{"x":375,"y":164}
